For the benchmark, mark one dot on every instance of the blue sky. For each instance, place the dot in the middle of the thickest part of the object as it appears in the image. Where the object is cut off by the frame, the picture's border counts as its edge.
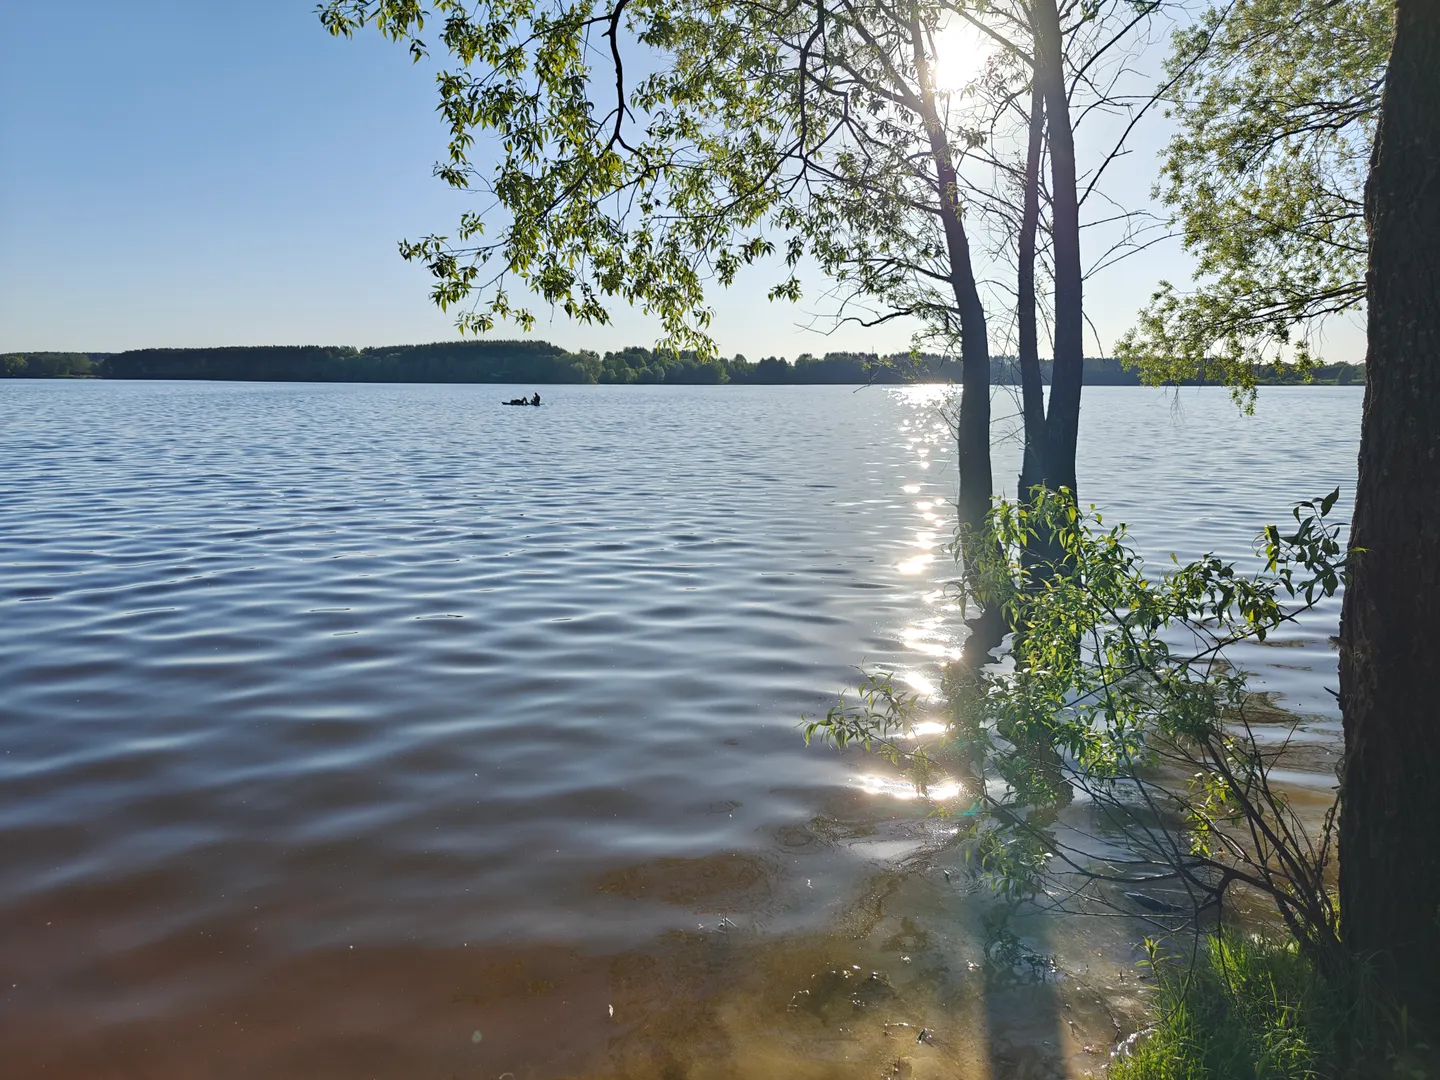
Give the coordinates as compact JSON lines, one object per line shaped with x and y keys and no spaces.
{"x":212,"y":172}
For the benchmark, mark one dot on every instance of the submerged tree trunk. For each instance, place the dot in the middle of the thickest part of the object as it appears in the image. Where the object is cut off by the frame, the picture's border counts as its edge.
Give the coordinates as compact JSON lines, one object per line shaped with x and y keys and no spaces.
{"x":1390,"y":784}
{"x":1032,"y":389}
{"x":1062,"y":419}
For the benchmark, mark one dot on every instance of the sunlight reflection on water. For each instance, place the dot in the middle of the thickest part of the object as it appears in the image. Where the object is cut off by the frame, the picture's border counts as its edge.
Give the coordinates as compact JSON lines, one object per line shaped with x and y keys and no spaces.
{"x":344,"y":722}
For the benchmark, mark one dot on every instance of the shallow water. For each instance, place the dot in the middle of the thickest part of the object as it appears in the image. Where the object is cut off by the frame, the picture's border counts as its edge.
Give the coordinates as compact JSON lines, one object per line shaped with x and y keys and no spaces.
{"x":380,"y":731}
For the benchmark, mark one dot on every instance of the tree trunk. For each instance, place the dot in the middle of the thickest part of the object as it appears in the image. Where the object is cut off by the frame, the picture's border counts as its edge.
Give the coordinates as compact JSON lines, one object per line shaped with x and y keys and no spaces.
{"x":1390,"y":783}
{"x":976,"y":483}
{"x":1062,"y":421}
{"x":1032,"y":389}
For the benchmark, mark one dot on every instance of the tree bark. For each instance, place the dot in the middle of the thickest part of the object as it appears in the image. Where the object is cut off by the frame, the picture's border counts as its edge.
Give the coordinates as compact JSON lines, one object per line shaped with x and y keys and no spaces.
{"x":1390,"y":782}
{"x":1062,"y":420}
{"x":1032,"y":389}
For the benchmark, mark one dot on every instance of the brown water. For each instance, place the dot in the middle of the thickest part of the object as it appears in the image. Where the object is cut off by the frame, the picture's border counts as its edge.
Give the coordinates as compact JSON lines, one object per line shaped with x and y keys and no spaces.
{"x":378,"y":731}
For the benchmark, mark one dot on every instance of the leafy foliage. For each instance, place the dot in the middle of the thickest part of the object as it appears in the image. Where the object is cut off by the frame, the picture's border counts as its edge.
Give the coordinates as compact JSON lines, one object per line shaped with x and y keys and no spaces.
{"x":583,"y":191}
{"x":1276,"y":103}
{"x":1119,"y":694}
{"x":639,"y":150}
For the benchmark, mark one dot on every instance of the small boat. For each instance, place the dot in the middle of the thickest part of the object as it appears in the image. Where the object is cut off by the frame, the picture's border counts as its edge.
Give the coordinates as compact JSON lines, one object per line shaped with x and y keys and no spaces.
{"x":523,"y":401}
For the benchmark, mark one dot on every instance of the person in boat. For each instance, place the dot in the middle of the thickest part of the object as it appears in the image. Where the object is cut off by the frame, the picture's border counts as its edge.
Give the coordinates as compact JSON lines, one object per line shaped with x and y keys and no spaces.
{"x":536,"y":399}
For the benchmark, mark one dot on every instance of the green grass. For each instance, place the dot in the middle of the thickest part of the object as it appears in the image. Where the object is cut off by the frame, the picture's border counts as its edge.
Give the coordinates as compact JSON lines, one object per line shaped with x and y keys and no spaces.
{"x":1248,"y":1009}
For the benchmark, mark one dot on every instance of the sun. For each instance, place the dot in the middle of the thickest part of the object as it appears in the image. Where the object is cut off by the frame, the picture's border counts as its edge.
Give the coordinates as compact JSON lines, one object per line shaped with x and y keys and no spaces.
{"x":961,"y":52}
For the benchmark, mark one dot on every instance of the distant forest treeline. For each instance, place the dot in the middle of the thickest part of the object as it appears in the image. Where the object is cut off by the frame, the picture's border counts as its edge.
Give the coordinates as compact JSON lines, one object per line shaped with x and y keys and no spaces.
{"x":538,"y":362}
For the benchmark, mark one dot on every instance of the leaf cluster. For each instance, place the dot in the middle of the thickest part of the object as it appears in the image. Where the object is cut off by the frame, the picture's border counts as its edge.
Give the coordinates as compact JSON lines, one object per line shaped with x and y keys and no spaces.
{"x":1275,"y":103}
{"x":640,"y":197}
{"x":639,"y":151}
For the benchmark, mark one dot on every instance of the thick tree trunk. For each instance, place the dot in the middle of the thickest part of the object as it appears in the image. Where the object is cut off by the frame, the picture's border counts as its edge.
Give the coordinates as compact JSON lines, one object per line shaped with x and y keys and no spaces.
{"x":1032,"y":389}
{"x":1062,"y":420}
{"x":1390,"y":818}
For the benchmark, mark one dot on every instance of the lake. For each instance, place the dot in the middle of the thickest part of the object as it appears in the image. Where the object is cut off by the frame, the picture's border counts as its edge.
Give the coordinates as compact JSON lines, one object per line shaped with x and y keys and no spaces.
{"x":380,"y":731}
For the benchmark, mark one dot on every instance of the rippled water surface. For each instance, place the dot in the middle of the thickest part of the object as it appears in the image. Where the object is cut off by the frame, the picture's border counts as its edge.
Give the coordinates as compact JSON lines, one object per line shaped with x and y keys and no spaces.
{"x":381,"y":731}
